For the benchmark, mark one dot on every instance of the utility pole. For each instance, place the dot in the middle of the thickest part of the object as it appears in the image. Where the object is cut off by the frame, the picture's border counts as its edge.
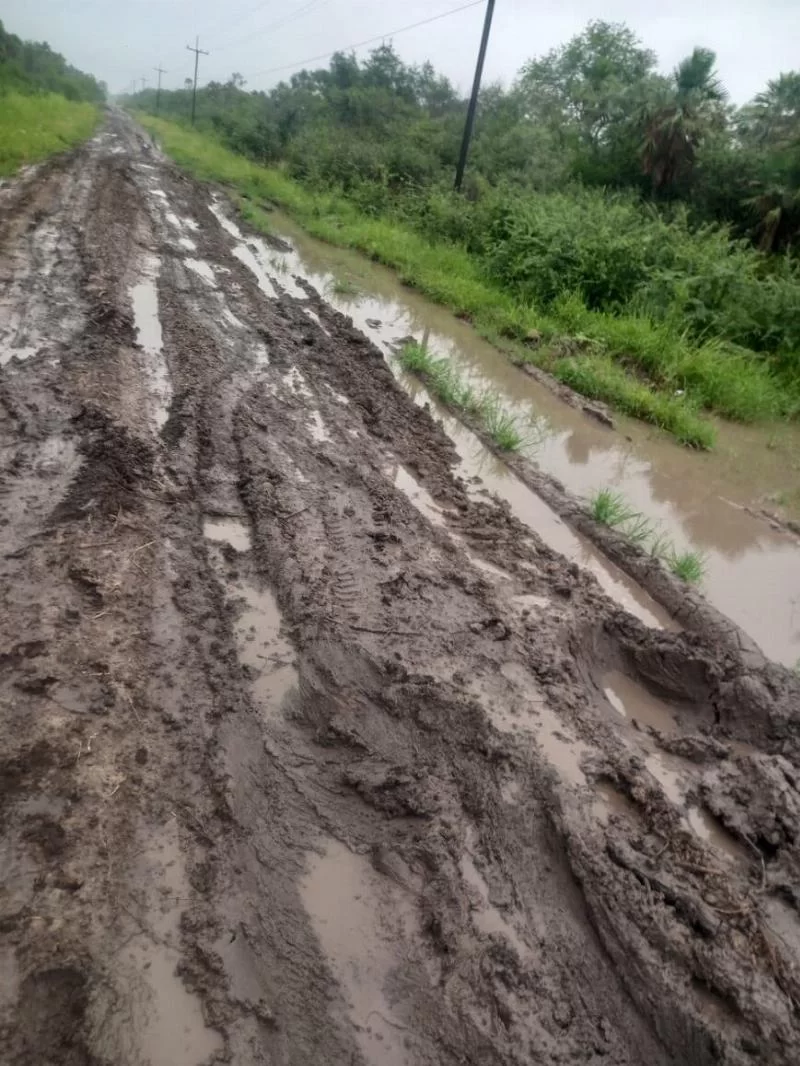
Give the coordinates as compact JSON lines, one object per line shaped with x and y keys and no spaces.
{"x":144,"y":82}
{"x":473,"y":102}
{"x":158,"y":90}
{"x":198,"y":51}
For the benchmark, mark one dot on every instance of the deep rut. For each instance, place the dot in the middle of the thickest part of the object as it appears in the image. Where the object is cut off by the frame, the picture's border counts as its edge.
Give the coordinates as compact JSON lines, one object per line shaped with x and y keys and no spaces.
{"x":313,"y":753}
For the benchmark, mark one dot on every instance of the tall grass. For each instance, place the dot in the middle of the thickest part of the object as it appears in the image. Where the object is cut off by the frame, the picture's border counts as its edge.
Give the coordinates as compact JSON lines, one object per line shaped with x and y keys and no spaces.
{"x":641,"y":365}
{"x":34,"y":127}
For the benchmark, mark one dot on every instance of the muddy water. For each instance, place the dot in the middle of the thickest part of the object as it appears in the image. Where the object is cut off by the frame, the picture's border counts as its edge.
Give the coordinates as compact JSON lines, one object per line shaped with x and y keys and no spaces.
{"x":144,"y":298}
{"x":356,"y":925}
{"x":753,"y":571}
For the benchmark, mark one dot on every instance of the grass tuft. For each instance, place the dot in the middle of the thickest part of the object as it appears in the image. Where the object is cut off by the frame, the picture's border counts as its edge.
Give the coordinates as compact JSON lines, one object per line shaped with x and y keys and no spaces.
{"x":611,"y":509}
{"x":344,"y":287}
{"x":689,"y":566}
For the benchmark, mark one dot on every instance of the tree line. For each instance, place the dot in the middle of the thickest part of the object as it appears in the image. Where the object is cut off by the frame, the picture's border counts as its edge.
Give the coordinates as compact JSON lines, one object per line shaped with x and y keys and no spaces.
{"x":595,"y":112}
{"x":30,"y":67}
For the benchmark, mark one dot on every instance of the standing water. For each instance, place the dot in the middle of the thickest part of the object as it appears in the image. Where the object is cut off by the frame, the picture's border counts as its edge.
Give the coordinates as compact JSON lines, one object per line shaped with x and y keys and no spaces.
{"x":698,"y":500}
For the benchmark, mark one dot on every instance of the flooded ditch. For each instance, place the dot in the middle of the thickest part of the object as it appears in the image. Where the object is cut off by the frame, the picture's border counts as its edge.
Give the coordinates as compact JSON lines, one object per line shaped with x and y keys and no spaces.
{"x":697,"y":500}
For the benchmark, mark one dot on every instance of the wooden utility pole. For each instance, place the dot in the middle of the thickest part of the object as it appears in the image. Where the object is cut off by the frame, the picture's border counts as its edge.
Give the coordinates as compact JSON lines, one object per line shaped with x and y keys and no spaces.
{"x":144,"y":82}
{"x":198,"y":51}
{"x":473,"y":102}
{"x":158,"y":90}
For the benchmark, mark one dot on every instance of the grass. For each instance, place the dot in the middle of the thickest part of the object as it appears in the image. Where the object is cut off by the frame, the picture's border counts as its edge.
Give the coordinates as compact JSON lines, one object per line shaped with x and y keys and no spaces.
{"x":454,"y":392}
{"x":34,"y":127}
{"x":643,"y":368}
{"x":344,"y":287}
{"x":611,"y":509}
{"x":689,"y":566}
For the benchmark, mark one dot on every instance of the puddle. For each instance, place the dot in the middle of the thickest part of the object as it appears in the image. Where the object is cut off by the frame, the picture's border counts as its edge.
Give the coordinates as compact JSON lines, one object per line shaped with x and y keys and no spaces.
{"x":243,"y":252}
{"x":19,"y":352}
{"x":712,"y":832}
{"x":419,"y":497}
{"x":296,"y":383}
{"x":489,"y":568}
{"x":523,"y":709}
{"x":358,"y":920}
{"x":635,"y":703}
{"x":144,"y":298}
{"x":609,"y":800}
{"x":164,"y":1024}
{"x":753,"y":572}
{"x":486,"y":916}
{"x":670,"y":779}
{"x":187,"y":243}
{"x":200,"y":267}
{"x":264,"y":650}
{"x":784,"y":922}
{"x":319,"y":430}
{"x":228,"y":531}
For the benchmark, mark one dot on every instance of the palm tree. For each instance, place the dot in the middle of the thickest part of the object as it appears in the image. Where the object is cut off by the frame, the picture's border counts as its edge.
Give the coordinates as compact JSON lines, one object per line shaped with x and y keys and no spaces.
{"x":682,"y":111}
{"x":774,"y":115}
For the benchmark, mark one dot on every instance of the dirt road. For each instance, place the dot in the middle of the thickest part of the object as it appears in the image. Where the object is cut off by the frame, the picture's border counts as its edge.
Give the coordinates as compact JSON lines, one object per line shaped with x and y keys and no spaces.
{"x":312,"y":752}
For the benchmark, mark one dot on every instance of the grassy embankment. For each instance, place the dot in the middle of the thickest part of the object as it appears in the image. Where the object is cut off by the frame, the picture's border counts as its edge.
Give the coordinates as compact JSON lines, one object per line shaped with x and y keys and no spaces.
{"x":34,"y":127}
{"x":641,"y":367}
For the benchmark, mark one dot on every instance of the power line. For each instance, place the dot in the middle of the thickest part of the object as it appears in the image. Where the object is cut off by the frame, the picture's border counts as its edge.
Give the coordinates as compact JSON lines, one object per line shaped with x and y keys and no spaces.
{"x":370,"y":40}
{"x":241,"y":18}
{"x":292,"y":17}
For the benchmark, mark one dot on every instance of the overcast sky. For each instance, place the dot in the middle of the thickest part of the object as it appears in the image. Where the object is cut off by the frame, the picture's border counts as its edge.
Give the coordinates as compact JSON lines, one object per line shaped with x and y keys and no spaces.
{"x":117,"y":40}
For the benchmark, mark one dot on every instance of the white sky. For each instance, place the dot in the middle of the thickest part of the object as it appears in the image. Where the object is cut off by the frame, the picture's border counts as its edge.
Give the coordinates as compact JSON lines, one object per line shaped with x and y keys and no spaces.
{"x":118,"y":41}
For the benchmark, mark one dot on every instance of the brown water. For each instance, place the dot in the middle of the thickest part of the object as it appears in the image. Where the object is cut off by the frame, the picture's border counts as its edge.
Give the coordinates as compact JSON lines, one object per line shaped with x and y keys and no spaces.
{"x":699,"y":500}
{"x":356,"y":915}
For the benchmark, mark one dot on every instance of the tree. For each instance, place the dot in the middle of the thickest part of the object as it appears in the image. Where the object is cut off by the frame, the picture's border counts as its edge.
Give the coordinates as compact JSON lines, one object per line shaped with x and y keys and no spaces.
{"x":679,"y":113}
{"x":585,"y":85}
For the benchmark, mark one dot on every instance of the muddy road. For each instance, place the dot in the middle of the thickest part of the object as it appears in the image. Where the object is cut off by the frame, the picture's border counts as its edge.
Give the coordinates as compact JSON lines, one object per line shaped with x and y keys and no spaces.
{"x":313,"y":750}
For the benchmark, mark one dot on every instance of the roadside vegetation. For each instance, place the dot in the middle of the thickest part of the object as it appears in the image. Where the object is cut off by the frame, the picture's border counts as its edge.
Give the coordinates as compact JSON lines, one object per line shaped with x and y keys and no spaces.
{"x":484,"y":407}
{"x":46,"y":105}
{"x":632,"y":233}
{"x":34,"y":127}
{"x":611,"y":509}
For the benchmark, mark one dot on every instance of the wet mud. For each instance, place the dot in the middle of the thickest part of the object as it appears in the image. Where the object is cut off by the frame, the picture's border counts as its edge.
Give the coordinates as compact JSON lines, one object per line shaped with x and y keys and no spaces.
{"x":316,"y":748}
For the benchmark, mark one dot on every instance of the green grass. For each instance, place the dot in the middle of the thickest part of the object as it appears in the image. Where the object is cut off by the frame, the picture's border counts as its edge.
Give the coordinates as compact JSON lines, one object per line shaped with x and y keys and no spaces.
{"x":454,"y":392}
{"x":643,"y":368}
{"x":34,"y":127}
{"x":344,"y":287}
{"x":611,"y":509}
{"x":689,"y":566}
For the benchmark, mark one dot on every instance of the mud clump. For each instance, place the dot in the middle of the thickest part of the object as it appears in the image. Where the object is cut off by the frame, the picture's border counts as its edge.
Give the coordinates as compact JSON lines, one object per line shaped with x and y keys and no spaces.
{"x":117,"y":468}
